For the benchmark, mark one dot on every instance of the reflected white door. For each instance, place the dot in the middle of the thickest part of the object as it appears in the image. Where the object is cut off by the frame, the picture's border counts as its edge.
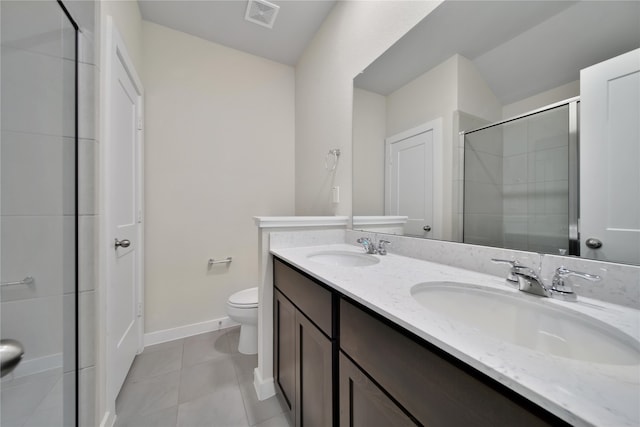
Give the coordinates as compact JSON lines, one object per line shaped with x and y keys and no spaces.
{"x":124,"y":216}
{"x":409,"y":181}
{"x":609,"y":159}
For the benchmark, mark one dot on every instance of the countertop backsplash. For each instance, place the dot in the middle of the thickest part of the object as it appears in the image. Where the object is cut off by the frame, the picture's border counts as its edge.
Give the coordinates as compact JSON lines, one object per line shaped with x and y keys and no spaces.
{"x":620,"y":283}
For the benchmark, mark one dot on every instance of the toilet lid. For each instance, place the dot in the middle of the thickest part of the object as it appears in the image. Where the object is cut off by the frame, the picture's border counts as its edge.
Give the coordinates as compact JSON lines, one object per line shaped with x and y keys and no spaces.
{"x":245,"y":297}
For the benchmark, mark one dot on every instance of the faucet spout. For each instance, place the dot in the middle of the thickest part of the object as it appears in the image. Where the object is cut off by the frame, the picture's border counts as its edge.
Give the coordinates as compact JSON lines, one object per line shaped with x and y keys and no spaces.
{"x":530,"y":282}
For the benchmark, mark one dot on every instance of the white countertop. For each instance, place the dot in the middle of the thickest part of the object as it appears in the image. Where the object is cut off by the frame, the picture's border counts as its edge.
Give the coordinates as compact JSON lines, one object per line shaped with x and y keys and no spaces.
{"x":581,"y":393}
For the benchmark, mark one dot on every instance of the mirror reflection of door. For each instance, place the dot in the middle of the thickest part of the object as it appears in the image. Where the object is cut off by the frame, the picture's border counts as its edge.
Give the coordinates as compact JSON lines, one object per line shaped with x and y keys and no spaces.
{"x":409,"y":179}
{"x":610,"y":139}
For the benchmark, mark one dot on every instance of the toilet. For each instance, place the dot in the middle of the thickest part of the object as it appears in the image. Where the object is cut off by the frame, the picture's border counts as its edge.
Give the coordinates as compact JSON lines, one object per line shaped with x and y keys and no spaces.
{"x":242,"y":307}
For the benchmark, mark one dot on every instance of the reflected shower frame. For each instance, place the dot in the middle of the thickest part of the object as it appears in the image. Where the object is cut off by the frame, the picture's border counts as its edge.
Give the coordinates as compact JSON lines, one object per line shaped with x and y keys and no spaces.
{"x":573,"y":165}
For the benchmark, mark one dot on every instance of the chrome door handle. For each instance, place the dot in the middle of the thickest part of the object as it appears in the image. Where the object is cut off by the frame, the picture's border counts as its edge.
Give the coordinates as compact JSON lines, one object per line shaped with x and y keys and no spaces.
{"x":427,"y":228}
{"x":11,"y":352}
{"x":124,"y":243}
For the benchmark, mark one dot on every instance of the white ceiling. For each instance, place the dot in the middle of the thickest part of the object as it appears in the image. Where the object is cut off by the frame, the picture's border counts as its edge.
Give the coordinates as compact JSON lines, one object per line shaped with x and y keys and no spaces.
{"x":222,"y":21}
{"x":520,"y":47}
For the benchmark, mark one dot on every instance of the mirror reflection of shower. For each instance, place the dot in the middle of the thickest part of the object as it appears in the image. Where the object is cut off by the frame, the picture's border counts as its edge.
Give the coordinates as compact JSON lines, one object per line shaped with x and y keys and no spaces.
{"x":521,"y":180}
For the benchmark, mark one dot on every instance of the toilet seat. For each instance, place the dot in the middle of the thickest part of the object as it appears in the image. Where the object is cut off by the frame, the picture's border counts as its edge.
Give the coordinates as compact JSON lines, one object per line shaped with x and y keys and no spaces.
{"x":247,"y":298}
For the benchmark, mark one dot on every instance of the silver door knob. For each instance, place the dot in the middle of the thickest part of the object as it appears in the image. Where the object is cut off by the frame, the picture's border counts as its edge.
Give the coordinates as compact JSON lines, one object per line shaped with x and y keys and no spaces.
{"x":11,"y":352}
{"x":593,"y":243}
{"x":427,"y":228}
{"x":124,"y":243}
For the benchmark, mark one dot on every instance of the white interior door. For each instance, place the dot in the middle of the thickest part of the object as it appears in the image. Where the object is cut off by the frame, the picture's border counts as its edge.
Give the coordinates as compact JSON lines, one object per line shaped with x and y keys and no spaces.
{"x":124,"y":215}
{"x":609,"y":158}
{"x":410,"y":180}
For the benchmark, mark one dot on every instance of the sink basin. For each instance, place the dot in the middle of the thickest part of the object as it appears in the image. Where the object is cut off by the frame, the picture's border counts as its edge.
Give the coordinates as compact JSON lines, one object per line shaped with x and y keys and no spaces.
{"x":343,"y":258}
{"x":529,"y":322}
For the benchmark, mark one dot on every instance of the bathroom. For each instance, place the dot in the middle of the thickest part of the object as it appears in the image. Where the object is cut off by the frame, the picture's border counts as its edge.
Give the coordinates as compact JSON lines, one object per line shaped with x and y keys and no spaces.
{"x":228,"y":135}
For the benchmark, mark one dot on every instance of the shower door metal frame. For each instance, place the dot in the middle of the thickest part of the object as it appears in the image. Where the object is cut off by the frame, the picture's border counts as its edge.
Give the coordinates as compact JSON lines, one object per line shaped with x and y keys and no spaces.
{"x":573,"y":166}
{"x":75,"y":26}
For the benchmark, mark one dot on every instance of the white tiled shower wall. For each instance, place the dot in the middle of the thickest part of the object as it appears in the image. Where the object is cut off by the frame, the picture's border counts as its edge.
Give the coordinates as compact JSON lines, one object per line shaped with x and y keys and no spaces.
{"x":42,"y":221}
{"x":536,"y":182}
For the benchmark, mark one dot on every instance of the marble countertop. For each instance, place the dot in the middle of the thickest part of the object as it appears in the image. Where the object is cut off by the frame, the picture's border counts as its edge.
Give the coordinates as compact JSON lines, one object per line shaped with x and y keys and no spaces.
{"x":579,"y":392}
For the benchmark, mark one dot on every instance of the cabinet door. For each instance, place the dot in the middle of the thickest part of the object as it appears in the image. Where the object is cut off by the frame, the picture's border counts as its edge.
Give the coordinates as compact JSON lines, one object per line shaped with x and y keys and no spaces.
{"x":285,"y":348}
{"x":362,"y":402}
{"x":314,"y":394}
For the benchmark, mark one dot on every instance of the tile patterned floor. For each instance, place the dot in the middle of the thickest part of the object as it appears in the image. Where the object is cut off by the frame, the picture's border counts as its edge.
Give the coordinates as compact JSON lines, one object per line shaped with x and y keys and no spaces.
{"x":200,"y":381}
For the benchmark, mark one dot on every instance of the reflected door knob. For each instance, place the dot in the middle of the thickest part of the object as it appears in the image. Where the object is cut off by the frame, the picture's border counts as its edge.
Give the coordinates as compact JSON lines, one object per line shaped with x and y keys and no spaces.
{"x":427,"y":228}
{"x":124,"y":243}
{"x":593,"y":243}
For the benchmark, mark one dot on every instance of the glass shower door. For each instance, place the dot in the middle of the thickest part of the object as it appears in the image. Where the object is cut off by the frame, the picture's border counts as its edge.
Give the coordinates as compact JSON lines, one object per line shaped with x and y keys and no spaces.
{"x":518,"y":177}
{"x":38,"y":223}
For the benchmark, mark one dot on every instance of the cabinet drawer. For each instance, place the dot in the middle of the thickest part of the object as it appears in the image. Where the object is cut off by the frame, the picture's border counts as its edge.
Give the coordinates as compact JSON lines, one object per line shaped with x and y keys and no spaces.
{"x":310,"y":298}
{"x":429,"y":386}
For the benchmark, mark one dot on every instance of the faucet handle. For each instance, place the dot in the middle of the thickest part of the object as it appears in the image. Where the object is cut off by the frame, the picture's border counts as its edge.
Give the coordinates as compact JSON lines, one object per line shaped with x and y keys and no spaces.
{"x":367,"y":244}
{"x":515,"y":265}
{"x":561,"y":286}
{"x":382,"y":248}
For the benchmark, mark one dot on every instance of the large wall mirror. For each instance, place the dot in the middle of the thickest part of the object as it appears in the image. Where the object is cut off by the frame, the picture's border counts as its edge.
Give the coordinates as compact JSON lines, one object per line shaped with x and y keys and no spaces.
{"x":475,"y":127}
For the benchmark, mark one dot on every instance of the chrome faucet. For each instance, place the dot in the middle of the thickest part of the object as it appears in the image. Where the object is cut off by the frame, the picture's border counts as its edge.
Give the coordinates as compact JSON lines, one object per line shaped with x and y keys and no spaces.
{"x":511,"y":277}
{"x":561,"y":286}
{"x":382,"y":246}
{"x":529,"y":281}
{"x":368,"y":245}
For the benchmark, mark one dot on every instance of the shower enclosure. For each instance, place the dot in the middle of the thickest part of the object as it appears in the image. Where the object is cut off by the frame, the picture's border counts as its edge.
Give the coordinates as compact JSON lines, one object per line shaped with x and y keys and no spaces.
{"x":38,"y":224}
{"x":521,"y":182}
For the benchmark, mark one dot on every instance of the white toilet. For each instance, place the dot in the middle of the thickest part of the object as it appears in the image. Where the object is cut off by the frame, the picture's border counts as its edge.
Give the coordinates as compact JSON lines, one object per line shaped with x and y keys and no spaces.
{"x":242,"y":307}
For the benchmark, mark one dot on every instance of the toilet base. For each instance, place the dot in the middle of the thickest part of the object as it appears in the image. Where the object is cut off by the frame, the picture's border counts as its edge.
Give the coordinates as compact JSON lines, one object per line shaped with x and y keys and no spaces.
{"x":248,"y":343}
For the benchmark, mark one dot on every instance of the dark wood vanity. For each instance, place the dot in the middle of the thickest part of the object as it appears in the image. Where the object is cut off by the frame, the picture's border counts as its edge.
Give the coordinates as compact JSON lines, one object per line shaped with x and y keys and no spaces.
{"x":337,"y":363}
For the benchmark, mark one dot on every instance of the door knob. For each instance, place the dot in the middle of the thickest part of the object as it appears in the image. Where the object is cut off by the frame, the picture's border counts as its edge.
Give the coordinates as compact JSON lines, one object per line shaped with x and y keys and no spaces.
{"x":593,"y":243}
{"x":124,"y":243}
{"x":427,"y":228}
{"x":11,"y":352}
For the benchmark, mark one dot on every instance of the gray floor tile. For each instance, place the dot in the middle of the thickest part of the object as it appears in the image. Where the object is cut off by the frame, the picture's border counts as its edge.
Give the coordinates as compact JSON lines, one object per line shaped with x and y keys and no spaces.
{"x":162,"y":418}
{"x":258,"y":411}
{"x":148,"y":395}
{"x":164,"y":346}
{"x":233,"y":337}
{"x":222,"y":408}
{"x":244,"y":365}
{"x":204,"y":347}
{"x":206,"y":377}
{"x":280,"y":420}
{"x":156,"y":362}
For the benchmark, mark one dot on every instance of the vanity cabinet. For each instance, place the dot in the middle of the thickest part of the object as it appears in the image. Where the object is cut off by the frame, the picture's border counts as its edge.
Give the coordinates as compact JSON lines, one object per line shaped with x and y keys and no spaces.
{"x":303,"y":346}
{"x":339,"y":363}
{"x":389,"y":373}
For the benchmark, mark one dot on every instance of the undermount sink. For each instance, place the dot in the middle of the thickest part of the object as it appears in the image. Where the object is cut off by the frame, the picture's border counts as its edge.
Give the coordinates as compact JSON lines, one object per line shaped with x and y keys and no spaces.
{"x":343,"y":258}
{"x":526,"y":322}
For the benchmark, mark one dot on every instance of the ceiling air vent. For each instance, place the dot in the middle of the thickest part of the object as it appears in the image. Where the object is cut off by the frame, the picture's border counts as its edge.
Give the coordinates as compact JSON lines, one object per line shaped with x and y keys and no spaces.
{"x":262,"y":12}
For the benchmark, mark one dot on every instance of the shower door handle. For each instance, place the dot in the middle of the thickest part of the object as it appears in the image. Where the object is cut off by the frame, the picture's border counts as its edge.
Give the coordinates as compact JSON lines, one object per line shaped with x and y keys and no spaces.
{"x":11,"y":352}
{"x":427,"y":228}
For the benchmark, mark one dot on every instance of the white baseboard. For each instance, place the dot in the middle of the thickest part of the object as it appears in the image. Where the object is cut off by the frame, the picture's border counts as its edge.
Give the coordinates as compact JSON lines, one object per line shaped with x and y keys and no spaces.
{"x":264,"y":389}
{"x":165,"y":335}
{"x":40,"y":364}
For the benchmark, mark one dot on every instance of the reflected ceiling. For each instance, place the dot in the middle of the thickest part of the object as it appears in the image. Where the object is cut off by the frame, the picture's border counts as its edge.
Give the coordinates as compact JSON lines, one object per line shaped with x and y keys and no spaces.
{"x":495,"y":35}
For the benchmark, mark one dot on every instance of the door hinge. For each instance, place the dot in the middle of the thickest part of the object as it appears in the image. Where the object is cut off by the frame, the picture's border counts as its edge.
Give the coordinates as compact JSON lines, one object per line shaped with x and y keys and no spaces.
{"x":140,"y":124}
{"x":139,"y":216}
{"x":139,"y":309}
